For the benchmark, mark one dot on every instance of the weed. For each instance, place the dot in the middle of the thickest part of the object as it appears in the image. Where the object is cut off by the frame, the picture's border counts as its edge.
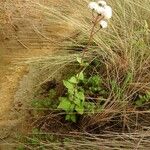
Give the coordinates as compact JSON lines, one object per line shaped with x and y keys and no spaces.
{"x":75,"y":99}
{"x":143,"y":99}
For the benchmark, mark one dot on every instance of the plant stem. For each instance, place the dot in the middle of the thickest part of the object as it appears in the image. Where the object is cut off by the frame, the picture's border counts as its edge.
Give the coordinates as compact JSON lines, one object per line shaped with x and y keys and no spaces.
{"x":92,"y":33}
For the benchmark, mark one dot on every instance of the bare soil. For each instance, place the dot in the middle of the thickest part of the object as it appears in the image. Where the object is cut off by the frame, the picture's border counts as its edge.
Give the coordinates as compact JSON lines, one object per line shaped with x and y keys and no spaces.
{"x":25,"y":34}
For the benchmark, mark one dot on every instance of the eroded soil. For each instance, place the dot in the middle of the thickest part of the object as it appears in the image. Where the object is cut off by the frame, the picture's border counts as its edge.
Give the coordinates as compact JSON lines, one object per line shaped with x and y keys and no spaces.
{"x":24,"y":35}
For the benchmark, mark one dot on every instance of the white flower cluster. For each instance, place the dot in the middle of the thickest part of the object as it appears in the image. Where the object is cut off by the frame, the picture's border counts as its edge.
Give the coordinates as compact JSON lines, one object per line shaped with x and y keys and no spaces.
{"x":102,"y":9}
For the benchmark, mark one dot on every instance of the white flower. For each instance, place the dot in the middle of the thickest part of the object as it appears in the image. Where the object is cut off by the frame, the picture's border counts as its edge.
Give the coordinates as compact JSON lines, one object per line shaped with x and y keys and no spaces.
{"x":102,"y":3}
{"x":93,"y":5}
{"x":103,"y":24}
{"x":100,"y":10}
{"x":107,"y":13}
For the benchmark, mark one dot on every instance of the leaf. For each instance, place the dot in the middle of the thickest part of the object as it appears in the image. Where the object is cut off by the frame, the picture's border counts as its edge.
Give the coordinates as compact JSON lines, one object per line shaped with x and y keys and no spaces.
{"x":80,"y":109}
{"x":77,"y":101}
{"x":139,"y":103}
{"x":73,"y":80}
{"x":95,"y":81}
{"x":67,"y":117}
{"x":148,"y":96}
{"x":90,"y":106}
{"x":81,"y":96}
{"x":72,"y":107}
{"x":79,"y":60}
{"x":128,"y":78}
{"x":73,"y":118}
{"x":80,"y":76}
{"x":148,"y":93}
{"x":64,"y":104}
{"x":68,"y":85}
{"x":72,"y":93}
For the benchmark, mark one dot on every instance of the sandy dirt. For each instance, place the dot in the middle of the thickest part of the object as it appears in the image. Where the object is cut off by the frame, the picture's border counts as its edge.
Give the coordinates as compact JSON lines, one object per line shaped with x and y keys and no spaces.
{"x":23,"y":35}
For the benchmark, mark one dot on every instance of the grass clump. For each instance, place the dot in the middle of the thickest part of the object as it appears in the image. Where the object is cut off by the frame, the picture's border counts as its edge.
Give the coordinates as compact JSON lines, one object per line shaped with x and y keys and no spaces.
{"x":108,"y":91}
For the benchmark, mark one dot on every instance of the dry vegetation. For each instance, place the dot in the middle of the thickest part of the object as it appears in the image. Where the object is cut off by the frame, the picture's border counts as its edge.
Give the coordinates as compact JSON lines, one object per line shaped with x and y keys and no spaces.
{"x":123,"y":51}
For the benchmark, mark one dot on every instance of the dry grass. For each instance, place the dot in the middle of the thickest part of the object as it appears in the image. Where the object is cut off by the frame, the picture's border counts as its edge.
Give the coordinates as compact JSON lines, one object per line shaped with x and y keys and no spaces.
{"x":123,"y":48}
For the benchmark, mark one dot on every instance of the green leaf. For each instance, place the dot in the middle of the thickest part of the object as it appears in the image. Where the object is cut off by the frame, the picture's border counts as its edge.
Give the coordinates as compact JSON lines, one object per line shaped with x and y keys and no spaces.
{"x":67,"y":117}
{"x":139,"y":103}
{"x":80,"y":76}
{"x":72,"y":107}
{"x":79,"y":60}
{"x":73,"y":117}
{"x":64,"y":104}
{"x":68,"y":85}
{"x":77,"y":101}
{"x":95,"y":81}
{"x":81,"y":96}
{"x":90,"y":106}
{"x":73,"y":80}
{"x":148,"y":93}
{"x":128,"y":78}
{"x":80,"y":109}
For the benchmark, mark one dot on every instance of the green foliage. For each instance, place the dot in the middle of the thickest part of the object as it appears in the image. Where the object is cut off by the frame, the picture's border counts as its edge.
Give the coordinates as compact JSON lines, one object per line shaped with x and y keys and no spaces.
{"x":128,"y":79}
{"x":143,"y":99}
{"x":117,"y":90}
{"x":95,"y":81}
{"x":81,"y":89}
{"x":37,"y":139}
{"x":47,"y":102}
{"x":21,"y":147}
{"x":42,"y":103}
{"x":65,"y":104}
{"x":74,"y":103}
{"x":94,"y":84}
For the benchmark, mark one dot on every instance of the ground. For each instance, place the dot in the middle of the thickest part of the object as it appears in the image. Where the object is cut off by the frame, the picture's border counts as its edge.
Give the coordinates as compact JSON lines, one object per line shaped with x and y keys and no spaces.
{"x":21,"y":40}
{"x":31,"y":35}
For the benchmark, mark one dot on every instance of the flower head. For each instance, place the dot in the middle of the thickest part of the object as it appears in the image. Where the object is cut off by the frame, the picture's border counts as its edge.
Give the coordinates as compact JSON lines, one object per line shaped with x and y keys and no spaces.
{"x":103,"y":24}
{"x":100,"y":10}
{"x":107,"y":13}
{"x":102,"y":3}
{"x":104,"y":12}
{"x":93,"y":5}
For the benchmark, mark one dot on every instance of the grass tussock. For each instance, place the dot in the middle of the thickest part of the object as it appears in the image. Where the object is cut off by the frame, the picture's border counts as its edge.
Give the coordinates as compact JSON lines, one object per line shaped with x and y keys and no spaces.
{"x":123,"y":55}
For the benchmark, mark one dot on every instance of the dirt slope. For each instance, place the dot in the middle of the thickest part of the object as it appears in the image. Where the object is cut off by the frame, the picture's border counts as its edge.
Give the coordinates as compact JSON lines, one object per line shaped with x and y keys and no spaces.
{"x":23,"y":35}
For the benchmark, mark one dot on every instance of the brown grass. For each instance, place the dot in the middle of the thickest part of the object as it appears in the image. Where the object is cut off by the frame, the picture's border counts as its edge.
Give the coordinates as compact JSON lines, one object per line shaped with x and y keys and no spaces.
{"x":123,"y":47}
